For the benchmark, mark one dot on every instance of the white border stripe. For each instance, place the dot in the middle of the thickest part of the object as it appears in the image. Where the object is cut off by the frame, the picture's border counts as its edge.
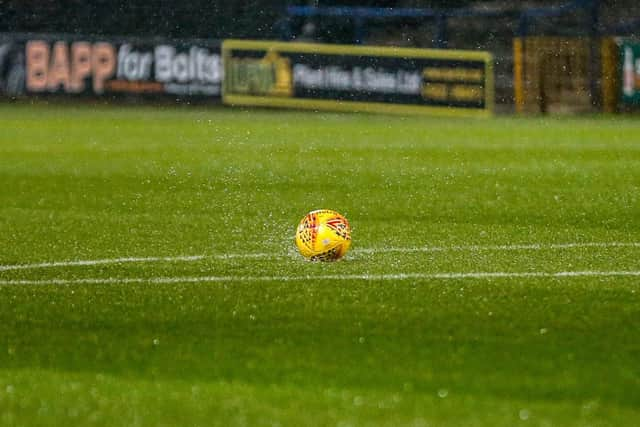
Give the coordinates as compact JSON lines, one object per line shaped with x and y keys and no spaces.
{"x":366,"y":277}
{"x":369,"y":251}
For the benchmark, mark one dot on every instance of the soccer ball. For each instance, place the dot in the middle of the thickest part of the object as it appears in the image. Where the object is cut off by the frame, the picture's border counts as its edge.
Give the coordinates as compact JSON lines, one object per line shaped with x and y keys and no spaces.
{"x":323,"y":235}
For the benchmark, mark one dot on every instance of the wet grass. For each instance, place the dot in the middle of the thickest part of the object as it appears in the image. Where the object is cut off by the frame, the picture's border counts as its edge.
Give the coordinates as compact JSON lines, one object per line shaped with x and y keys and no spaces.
{"x":84,"y":183}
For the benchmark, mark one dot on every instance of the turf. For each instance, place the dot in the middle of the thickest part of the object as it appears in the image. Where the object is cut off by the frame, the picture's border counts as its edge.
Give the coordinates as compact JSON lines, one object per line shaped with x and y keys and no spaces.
{"x":271,"y":340}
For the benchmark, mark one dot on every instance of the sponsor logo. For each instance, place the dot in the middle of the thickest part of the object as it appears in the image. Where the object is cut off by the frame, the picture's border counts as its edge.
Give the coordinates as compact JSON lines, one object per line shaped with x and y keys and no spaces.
{"x":81,"y":66}
{"x":269,"y":75}
{"x":11,"y":69}
{"x":368,"y":79}
{"x":68,"y":66}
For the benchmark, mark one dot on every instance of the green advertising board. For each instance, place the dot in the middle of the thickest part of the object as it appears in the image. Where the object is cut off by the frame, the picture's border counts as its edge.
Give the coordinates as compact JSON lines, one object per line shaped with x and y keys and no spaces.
{"x":630,"y":60}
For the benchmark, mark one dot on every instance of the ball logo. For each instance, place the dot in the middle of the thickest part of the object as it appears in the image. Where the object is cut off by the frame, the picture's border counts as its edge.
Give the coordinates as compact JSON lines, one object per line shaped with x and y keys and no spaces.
{"x":323,"y":235}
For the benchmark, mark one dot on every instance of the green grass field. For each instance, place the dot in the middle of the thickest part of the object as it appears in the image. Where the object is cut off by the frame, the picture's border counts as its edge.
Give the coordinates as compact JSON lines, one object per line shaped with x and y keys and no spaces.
{"x":494,"y":277}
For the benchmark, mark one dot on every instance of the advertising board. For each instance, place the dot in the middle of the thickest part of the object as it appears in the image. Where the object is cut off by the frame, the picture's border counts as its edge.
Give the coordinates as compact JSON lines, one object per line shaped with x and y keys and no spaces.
{"x":630,"y":61}
{"x":357,"y":78}
{"x":75,"y":65}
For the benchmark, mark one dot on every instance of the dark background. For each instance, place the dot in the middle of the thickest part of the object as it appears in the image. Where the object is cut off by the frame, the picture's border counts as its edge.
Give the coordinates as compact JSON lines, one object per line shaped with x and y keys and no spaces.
{"x":267,"y":19}
{"x":219,"y":18}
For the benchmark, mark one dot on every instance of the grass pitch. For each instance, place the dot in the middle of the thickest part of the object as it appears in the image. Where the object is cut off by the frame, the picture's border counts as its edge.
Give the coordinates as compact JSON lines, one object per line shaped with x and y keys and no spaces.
{"x":148,"y":274}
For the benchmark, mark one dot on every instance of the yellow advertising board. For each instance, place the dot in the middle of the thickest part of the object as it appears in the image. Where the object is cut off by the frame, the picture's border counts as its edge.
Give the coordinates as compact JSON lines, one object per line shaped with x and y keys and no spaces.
{"x":358,"y":78}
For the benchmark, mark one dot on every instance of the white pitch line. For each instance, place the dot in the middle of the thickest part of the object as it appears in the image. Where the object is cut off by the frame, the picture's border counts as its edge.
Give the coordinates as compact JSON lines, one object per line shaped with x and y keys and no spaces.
{"x":99,"y":262}
{"x":366,"y":277}
{"x":127,"y":260}
{"x":257,"y":255}
{"x":521,"y":247}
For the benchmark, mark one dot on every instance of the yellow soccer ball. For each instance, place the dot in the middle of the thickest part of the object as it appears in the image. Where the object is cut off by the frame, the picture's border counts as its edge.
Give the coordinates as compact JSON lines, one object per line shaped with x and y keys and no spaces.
{"x":323,"y":235}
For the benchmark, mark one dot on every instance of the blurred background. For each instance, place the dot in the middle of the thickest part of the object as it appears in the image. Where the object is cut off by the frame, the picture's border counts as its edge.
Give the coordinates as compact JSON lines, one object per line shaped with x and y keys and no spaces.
{"x":261,"y":19}
{"x":573,"y":33}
